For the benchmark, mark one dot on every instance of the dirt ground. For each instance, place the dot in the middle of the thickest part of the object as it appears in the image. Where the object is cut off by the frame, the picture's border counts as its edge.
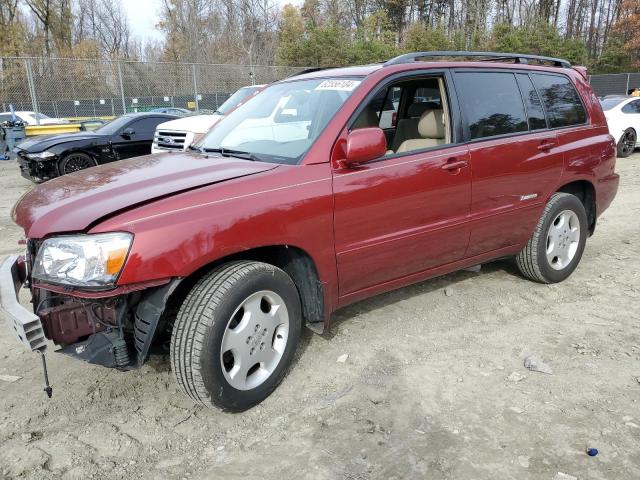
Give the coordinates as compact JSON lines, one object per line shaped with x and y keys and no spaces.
{"x":434,"y":385}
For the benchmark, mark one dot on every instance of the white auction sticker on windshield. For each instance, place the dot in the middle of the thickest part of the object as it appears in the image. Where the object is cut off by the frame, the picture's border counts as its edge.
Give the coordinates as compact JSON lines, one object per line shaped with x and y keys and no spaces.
{"x":342,"y":85}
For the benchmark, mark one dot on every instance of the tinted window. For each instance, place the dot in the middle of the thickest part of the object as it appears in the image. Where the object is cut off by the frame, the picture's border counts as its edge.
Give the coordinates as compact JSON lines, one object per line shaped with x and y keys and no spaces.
{"x":535,"y":113}
{"x":491,"y":103}
{"x":632,"y":107}
{"x":560,"y":99}
{"x":147,"y":125}
{"x":114,"y":125}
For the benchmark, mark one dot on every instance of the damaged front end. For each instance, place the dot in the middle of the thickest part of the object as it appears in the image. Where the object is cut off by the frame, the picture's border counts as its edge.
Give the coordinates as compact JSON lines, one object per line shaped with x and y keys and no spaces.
{"x":114,"y":329}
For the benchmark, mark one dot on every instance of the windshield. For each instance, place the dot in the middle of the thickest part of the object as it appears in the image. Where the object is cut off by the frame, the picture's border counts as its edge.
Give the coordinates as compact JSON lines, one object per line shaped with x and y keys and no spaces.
{"x":39,"y":116}
{"x":114,"y":125}
{"x":281,"y":123}
{"x":234,"y":100}
{"x":609,"y":103}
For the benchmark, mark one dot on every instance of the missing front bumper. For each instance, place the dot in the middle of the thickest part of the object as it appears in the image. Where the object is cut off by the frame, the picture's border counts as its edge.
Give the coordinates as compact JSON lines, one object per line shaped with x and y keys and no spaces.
{"x":25,"y":325}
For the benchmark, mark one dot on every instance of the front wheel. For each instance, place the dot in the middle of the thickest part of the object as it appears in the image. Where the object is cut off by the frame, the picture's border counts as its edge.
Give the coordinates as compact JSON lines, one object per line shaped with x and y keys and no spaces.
{"x":627,"y":143}
{"x":235,"y":335}
{"x":555,"y":248}
{"x":75,"y":162}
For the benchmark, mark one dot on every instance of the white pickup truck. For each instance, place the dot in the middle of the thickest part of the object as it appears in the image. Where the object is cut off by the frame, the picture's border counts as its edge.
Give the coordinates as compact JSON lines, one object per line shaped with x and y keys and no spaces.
{"x":177,"y":135}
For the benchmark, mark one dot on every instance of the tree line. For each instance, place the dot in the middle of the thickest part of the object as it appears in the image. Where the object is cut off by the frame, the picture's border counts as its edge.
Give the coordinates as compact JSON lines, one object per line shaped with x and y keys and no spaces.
{"x":602,"y":34}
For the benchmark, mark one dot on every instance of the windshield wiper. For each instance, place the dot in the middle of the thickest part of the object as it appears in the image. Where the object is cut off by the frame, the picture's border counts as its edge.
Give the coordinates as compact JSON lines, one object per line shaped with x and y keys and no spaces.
{"x":196,"y":149}
{"x":226,"y":152}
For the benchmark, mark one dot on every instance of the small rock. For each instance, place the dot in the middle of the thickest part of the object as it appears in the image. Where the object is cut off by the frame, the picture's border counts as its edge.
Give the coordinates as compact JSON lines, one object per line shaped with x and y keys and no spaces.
{"x":10,"y":378}
{"x":632,"y":425}
{"x":220,"y":448}
{"x":523,"y":461}
{"x":564,"y":476}
{"x":460,"y":380}
{"x":517,"y":410}
{"x":515,"y":377}
{"x":448,"y":291}
{"x":343,"y":358}
{"x":627,"y":418}
{"x":536,"y":364}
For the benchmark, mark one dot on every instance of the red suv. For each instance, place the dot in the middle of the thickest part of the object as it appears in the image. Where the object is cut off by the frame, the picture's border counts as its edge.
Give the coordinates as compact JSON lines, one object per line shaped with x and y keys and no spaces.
{"x":324,"y":189}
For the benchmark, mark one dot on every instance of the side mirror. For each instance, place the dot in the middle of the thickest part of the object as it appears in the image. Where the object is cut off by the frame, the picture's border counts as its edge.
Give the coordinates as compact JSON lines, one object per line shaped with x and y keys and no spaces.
{"x":128,"y":133}
{"x":364,"y":145}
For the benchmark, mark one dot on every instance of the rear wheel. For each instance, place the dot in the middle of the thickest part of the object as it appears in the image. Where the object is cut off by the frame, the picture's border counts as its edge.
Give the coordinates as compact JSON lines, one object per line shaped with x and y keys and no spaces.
{"x":555,"y":248}
{"x":74,"y":162}
{"x":235,"y":335}
{"x":627,"y":143}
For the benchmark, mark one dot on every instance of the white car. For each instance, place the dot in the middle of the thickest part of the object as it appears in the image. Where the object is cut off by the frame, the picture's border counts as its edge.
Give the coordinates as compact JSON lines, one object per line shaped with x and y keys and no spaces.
{"x":177,"y":135}
{"x":31,"y":118}
{"x":623,"y":118}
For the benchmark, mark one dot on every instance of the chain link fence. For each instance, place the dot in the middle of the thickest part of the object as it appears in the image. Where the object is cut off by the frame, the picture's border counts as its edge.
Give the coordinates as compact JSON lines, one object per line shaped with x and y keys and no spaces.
{"x":67,"y":88}
{"x":614,"y":83}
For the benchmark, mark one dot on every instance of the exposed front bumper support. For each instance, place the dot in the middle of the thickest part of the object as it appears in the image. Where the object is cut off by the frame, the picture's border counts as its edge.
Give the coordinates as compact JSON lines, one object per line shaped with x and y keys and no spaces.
{"x":25,"y":325}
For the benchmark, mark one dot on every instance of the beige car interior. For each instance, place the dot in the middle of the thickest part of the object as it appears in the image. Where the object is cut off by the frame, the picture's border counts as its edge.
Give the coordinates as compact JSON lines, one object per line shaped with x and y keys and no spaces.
{"x":426,"y":124}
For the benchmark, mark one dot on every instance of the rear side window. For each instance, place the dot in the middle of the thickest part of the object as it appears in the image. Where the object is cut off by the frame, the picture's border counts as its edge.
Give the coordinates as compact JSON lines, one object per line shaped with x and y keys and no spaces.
{"x":491,"y":103}
{"x":560,"y":100}
{"x":535,"y":112}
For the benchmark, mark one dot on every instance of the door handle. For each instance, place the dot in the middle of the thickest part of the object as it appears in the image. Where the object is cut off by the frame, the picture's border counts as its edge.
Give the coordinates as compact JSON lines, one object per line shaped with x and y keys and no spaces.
{"x":453,"y":164}
{"x":546,"y":145}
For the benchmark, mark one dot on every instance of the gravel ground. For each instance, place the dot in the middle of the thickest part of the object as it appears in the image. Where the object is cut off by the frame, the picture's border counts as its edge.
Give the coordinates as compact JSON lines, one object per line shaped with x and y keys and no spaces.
{"x":434,"y":385}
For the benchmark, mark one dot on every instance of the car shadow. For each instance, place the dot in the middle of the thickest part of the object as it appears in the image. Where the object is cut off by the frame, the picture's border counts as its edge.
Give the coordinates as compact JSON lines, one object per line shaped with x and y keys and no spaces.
{"x":382,"y":300}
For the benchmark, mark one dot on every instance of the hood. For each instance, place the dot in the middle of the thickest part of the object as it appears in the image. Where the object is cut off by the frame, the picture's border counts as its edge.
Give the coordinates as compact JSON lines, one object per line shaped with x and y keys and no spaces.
{"x":196,"y":123}
{"x":42,"y":142}
{"x":74,"y":202}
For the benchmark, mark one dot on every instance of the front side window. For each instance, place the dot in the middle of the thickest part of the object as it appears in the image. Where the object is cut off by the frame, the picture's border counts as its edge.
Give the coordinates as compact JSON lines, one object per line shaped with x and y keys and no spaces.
{"x":491,"y":103}
{"x":560,"y":100}
{"x":418,"y":122}
{"x":281,"y":123}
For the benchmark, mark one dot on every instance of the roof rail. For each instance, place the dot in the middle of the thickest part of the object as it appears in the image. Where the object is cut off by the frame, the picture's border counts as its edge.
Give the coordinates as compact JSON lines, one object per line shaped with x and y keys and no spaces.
{"x":485,"y":56}
{"x":309,"y":70}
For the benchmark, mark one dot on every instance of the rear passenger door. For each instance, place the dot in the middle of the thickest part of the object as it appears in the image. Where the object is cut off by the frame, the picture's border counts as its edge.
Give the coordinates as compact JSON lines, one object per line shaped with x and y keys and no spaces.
{"x":515,"y":157}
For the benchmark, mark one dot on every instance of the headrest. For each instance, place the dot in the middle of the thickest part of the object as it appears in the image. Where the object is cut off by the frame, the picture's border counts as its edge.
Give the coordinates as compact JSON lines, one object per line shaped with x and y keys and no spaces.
{"x":431,"y":124}
{"x":416,"y":110}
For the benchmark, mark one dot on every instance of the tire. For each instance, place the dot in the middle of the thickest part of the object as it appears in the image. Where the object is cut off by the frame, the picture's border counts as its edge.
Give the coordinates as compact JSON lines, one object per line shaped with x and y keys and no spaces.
{"x":213,"y":314}
{"x":74,"y":162}
{"x":555,"y":248}
{"x":627,"y":143}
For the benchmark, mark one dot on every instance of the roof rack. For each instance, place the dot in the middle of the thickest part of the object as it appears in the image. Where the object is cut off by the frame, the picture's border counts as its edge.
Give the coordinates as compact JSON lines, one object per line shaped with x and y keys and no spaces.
{"x":486,"y":57}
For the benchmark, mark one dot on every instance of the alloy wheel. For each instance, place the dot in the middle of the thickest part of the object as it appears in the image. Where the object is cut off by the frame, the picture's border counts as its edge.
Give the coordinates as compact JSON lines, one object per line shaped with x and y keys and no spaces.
{"x":254,"y":340}
{"x":563,"y":238}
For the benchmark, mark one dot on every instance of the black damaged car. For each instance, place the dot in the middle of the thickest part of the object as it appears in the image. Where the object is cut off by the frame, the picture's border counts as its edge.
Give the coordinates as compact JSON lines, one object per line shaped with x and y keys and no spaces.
{"x":45,"y":157}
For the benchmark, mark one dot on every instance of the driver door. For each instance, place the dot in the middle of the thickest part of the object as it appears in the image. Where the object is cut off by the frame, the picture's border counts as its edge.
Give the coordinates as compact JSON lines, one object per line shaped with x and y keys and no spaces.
{"x":399,"y":216}
{"x":139,"y":141}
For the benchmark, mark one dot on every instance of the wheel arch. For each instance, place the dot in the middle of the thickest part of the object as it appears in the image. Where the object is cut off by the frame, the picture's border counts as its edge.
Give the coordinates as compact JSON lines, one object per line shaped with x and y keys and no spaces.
{"x":71,"y":151}
{"x":296,"y":262}
{"x":586,"y":192}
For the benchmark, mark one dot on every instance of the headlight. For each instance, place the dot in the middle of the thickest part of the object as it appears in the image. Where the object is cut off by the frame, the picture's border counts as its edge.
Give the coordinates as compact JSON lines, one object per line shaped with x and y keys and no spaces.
{"x":82,"y":260}
{"x":41,"y":155}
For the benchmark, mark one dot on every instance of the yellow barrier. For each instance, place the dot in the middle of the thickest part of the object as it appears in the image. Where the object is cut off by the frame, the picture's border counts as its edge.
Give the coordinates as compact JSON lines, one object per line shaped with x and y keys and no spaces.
{"x":32,"y":130}
{"x":82,"y":119}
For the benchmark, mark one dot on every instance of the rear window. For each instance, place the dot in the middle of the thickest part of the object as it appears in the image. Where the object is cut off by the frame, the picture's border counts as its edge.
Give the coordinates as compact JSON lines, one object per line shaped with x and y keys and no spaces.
{"x":609,"y":103}
{"x":492,"y":103}
{"x":560,"y":100}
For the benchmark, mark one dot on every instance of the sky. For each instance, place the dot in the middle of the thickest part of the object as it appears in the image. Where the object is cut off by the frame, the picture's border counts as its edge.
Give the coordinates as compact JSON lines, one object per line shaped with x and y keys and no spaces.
{"x":143,"y":17}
